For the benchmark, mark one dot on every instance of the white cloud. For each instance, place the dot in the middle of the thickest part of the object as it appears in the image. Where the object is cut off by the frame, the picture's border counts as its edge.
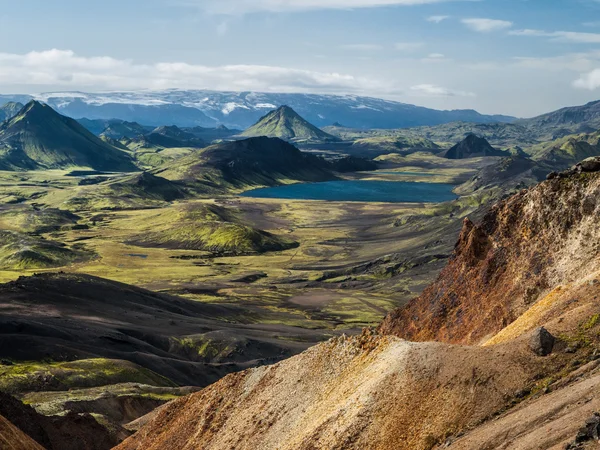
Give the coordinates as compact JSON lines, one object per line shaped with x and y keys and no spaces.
{"x":483,"y":25}
{"x":577,"y":62}
{"x":561,"y":36}
{"x":362,"y":47}
{"x":65,"y":69}
{"x":436,"y":55}
{"x":437,"y":19}
{"x":590,"y":81}
{"x":236,"y":7}
{"x":408,"y":46}
{"x":432,"y":90}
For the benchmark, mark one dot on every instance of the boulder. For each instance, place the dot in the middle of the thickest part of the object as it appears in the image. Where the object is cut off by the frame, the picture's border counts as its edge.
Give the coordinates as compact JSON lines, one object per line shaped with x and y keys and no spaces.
{"x":541,"y":342}
{"x":590,"y":164}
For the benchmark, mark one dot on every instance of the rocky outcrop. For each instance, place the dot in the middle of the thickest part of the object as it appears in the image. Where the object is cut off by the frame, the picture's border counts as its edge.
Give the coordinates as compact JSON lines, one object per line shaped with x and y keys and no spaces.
{"x":472,"y":146}
{"x":541,"y":342}
{"x":525,"y":247}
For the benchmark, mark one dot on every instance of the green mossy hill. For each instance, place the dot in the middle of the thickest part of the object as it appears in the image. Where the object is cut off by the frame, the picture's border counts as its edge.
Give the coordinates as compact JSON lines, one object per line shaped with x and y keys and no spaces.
{"x":10,"y":110}
{"x":236,"y":165}
{"x":124,"y":192}
{"x":40,"y":138}
{"x":19,"y":251}
{"x":285,"y":123}
{"x":159,"y":141}
{"x":23,"y":377}
{"x":26,"y":219}
{"x":564,"y":152}
{"x":472,"y":147}
{"x":154,"y":157}
{"x":148,"y":186}
{"x":498,"y":134}
{"x":122,"y":129}
{"x":393,"y":144}
{"x":221,"y":347}
{"x":210,"y":228}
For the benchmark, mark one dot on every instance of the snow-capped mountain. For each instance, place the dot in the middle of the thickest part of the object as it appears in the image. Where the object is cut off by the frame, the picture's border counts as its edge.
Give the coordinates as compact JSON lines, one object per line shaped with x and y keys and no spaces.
{"x":242,"y":109}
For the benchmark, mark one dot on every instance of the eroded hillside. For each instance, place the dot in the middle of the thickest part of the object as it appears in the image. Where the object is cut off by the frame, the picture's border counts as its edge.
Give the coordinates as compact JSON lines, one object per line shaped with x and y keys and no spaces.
{"x":526,"y":247}
{"x":532,"y":262}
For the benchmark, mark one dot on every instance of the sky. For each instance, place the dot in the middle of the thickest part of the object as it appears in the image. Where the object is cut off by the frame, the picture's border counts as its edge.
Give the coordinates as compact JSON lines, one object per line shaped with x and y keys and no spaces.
{"x":517,"y":57}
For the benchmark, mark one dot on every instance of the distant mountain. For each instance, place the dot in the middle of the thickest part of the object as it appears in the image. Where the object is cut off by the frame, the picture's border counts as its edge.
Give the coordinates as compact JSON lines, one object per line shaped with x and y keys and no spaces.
{"x":564,"y":152}
{"x":212,"y":134}
{"x":10,"y":110}
{"x":40,"y":138}
{"x":164,"y":137}
{"x":565,"y":121}
{"x":117,"y":129}
{"x":154,"y":115}
{"x":189,"y":108}
{"x":174,"y":132}
{"x":472,"y":147}
{"x":284,"y":123}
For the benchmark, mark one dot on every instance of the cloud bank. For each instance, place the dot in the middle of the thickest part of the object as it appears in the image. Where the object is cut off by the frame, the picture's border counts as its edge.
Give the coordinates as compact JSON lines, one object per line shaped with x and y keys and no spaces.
{"x":483,"y":25}
{"x":235,"y":7}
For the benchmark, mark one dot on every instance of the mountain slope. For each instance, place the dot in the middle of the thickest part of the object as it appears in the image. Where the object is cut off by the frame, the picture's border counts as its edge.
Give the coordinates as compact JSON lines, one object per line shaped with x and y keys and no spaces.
{"x":365,"y":392}
{"x":285,"y":123}
{"x":520,"y":253}
{"x":11,"y":438}
{"x":9,"y":110}
{"x":472,"y":147}
{"x":40,"y":138}
{"x":97,"y":318}
{"x":566,"y":151}
{"x":570,"y":120}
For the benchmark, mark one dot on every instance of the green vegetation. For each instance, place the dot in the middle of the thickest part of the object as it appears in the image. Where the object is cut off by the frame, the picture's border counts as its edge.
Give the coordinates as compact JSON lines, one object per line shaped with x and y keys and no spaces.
{"x":393,"y":144}
{"x":87,"y":373}
{"x":566,"y":151}
{"x":446,"y":135}
{"x":210,"y":228}
{"x":285,"y":123}
{"x":26,"y":219}
{"x":20,"y":251}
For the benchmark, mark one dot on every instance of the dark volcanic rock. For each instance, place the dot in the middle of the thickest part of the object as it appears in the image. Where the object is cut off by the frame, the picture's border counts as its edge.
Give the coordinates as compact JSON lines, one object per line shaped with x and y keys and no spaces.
{"x":472,"y":147}
{"x":541,"y":342}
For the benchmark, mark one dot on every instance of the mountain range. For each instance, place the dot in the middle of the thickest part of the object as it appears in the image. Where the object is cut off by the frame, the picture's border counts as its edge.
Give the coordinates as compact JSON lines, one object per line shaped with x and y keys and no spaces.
{"x":243,"y":109}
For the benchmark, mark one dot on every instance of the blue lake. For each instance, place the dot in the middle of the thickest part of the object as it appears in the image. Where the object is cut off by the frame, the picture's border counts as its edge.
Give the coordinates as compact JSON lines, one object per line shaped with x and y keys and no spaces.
{"x":360,"y":191}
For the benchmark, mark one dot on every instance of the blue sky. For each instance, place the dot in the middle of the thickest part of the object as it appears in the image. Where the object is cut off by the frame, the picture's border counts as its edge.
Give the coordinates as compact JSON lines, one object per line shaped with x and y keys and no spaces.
{"x":520,"y":57}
